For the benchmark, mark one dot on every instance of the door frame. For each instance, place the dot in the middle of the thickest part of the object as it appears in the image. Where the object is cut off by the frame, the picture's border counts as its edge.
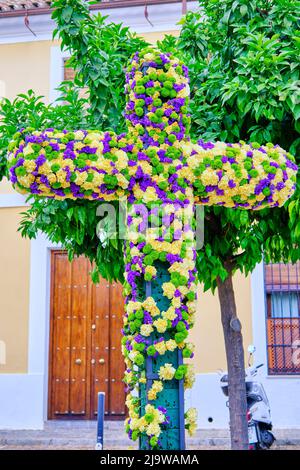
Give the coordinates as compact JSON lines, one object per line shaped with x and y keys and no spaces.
{"x":50,"y":352}
{"x":49,"y":372}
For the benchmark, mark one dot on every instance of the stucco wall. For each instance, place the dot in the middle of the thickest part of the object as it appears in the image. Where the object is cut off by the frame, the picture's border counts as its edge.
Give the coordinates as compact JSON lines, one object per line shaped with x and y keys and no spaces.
{"x":207,"y":333}
{"x":25,"y":66}
{"x":14,"y":292}
{"x":5,"y":187}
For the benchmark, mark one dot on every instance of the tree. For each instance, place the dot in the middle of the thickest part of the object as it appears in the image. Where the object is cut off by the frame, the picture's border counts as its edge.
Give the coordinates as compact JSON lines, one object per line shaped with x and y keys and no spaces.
{"x":224,"y":51}
{"x":244,"y":68}
{"x":102,"y":74}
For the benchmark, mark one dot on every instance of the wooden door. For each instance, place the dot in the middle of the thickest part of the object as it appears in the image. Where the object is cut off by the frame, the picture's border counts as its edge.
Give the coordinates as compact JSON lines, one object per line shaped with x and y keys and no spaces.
{"x":85,"y":342}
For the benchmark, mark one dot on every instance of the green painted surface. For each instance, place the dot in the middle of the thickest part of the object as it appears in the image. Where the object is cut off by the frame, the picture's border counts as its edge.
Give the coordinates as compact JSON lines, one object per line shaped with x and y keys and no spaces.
{"x":169,"y":398}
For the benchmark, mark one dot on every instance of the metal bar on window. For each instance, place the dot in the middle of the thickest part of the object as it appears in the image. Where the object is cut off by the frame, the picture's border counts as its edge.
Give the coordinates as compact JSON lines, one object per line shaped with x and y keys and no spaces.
{"x":282,"y":295}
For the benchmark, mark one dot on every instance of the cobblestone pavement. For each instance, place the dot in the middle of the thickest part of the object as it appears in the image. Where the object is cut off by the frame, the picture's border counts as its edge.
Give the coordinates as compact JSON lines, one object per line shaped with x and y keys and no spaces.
{"x":8,"y":447}
{"x":73,"y":435}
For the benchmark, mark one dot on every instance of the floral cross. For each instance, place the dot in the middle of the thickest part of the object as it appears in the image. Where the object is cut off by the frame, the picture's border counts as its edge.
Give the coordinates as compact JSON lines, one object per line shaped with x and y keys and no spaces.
{"x":156,"y":167}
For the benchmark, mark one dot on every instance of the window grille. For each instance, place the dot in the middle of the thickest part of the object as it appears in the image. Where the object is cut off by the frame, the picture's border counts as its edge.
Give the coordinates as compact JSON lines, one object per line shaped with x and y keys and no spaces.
{"x":282,"y":288}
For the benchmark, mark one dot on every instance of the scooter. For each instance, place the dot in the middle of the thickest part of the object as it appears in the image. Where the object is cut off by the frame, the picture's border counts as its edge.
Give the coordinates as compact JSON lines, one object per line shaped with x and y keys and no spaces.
{"x":258,"y":407}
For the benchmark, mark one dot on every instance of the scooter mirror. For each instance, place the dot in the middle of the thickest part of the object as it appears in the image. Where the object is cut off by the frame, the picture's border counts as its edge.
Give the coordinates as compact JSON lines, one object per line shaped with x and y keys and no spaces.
{"x":251,"y":349}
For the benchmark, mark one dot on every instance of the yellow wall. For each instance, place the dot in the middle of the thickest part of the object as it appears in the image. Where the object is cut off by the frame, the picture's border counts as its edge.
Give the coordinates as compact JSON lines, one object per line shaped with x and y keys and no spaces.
{"x":14,"y":291}
{"x":207,"y":333}
{"x":25,"y":66}
{"x":157,"y":36}
{"x":6,"y":187}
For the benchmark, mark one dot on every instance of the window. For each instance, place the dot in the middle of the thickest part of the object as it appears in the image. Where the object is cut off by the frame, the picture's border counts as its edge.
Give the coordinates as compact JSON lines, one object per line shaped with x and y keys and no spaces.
{"x":69,"y":75}
{"x":282,"y":287}
{"x":69,"y":72}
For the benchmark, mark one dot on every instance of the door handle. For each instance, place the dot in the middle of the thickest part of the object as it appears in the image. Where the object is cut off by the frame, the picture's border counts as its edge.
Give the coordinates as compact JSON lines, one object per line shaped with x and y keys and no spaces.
{"x":101,"y":361}
{"x":78,"y":361}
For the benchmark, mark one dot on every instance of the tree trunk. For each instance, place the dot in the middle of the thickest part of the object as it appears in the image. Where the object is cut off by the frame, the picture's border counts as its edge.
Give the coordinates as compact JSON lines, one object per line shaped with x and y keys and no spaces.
{"x":235,"y":364}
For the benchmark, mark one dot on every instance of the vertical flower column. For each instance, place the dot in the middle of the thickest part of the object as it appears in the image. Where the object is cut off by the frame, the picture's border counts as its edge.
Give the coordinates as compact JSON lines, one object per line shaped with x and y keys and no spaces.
{"x":160,"y":253}
{"x":160,"y":272}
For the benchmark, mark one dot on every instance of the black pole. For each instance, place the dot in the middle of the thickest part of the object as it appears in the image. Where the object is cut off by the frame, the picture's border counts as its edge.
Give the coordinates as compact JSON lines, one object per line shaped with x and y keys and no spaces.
{"x":100,"y":420}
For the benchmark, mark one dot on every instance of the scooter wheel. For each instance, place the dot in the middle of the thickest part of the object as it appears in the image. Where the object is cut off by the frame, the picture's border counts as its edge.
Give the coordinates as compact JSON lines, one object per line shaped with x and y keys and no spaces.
{"x":267,"y":438}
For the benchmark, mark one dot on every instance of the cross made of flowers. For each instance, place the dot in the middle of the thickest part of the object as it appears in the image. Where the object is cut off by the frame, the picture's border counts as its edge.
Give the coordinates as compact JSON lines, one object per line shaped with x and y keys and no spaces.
{"x":162,"y":174}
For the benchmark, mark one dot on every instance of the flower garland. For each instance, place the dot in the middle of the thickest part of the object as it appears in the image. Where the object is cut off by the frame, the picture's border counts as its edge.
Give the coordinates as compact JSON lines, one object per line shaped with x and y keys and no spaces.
{"x":103,"y":166}
{"x":162,"y":174}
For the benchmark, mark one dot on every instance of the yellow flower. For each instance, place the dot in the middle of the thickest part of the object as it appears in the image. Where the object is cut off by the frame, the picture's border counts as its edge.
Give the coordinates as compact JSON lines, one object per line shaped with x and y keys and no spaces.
{"x":134,"y":424}
{"x":169,"y":314}
{"x":161,"y":325}
{"x":150,"y":305}
{"x":192,"y":414}
{"x":191,"y":420}
{"x":146,"y":330}
{"x":44,"y":189}
{"x":122,"y":161}
{"x":26,"y":181}
{"x":209,"y":177}
{"x":153,"y":429}
{"x":146,"y":167}
{"x":176,"y":302}
{"x":192,"y":428}
{"x":168,"y":289}
{"x":61,"y":176}
{"x":171,"y":345}
{"x":79,"y":135}
{"x":29,"y":165}
{"x":132,"y":355}
{"x":28,"y":150}
{"x":149,"y":57}
{"x":133,"y":306}
{"x":150,"y":194}
{"x":160,"y":347}
{"x":189,"y":377}
{"x":156,"y":388}
{"x":166,"y":372}
{"x":150,"y":270}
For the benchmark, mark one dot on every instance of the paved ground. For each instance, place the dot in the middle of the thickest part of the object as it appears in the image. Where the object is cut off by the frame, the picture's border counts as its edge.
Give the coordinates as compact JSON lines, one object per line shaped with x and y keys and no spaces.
{"x":275,"y":447}
{"x":59,"y":435}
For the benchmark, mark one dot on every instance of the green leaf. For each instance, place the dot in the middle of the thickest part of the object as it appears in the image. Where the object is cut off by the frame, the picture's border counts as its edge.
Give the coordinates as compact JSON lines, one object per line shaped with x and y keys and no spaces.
{"x":67,"y":13}
{"x":243,"y":10}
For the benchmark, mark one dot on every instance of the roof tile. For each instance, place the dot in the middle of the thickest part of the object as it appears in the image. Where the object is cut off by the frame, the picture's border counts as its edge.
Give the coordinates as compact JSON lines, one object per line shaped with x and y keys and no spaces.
{"x":19,"y":5}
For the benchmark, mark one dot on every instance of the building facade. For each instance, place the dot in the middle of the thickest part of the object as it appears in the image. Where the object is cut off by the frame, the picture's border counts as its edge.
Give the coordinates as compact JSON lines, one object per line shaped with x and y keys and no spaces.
{"x":46,"y":374}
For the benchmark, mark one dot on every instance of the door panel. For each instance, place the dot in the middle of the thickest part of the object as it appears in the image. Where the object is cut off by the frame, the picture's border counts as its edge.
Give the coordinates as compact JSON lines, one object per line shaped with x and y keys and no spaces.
{"x":79,"y":337}
{"x":100,"y":344}
{"x":117,"y":389}
{"x":61,"y":327}
{"x":85,"y":342}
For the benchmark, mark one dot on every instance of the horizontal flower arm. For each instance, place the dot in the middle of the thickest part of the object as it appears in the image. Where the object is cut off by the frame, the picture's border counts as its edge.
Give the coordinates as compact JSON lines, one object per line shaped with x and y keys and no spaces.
{"x":62,"y":164}
{"x":241,"y":175}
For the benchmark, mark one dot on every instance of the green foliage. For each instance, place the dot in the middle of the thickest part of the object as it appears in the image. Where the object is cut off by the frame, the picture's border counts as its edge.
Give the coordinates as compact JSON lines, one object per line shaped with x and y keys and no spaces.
{"x":29,"y":110}
{"x":243,"y":59}
{"x":100,"y":52}
{"x":73,"y":224}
